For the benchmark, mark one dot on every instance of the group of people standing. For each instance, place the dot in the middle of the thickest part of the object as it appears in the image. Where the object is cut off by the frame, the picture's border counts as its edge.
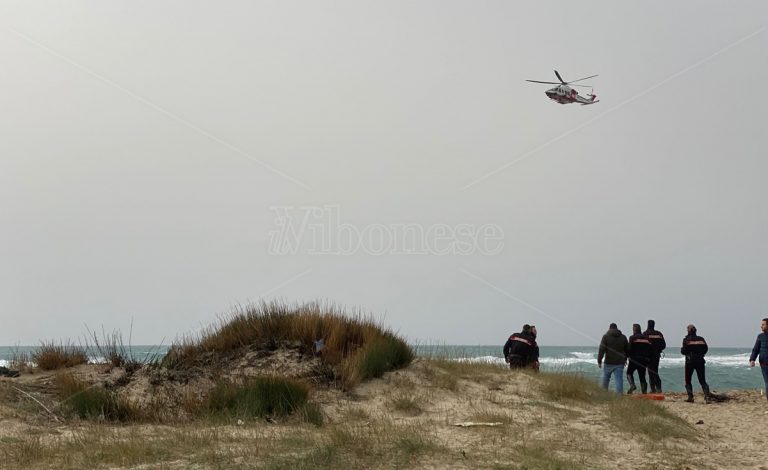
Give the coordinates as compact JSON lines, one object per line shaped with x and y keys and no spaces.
{"x":642,"y":352}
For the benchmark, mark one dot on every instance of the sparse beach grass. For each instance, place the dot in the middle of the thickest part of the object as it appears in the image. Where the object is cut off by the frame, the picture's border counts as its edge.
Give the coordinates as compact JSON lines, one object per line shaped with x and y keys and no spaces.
{"x":559,"y":386}
{"x":388,"y":411}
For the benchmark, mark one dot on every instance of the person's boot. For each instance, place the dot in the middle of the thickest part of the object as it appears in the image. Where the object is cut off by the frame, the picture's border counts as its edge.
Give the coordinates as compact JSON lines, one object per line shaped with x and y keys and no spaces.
{"x":632,"y":387}
{"x":689,"y":390}
{"x":707,"y":395}
{"x":644,"y":388}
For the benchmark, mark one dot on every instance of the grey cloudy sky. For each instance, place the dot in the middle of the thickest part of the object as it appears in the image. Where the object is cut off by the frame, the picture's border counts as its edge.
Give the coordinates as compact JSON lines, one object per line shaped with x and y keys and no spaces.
{"x":143,"y":145}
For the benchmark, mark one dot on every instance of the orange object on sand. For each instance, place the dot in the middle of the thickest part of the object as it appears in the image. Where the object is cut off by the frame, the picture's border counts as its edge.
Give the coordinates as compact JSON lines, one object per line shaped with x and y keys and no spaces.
{"x":651,"y":396}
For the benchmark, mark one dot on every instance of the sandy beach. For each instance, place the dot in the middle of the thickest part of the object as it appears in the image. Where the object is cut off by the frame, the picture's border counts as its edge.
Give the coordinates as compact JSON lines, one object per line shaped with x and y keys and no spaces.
{"x":406,"y":419}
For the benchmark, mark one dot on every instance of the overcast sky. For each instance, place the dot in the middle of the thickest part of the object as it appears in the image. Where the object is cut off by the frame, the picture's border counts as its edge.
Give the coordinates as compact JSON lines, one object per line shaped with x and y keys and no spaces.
{"x":145,"y":144}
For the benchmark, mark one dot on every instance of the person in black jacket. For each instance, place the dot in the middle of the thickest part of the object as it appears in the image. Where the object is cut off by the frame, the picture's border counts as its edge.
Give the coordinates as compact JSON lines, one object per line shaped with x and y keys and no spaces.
{"x":761,"y":350}
{"x":694,"y":349}
{"x":521,"y":350}
{"x":659,"y":344}
{"x":640,"y":353}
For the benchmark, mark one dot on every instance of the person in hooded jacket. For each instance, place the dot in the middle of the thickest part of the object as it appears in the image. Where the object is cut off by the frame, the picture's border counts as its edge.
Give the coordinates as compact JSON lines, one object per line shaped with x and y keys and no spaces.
{"x":640,"y":353}
{"x":614,"y":348}
{"x":694,"y":349}
{"x":659,"y":344}
{"x":761,"y":350}
{"x":521,"y":349}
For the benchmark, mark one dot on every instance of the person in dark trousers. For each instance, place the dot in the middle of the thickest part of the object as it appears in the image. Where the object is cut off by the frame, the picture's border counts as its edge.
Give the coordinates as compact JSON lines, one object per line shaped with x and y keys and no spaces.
{"x":640,"y":353}
{"x":761,"y":350}
{"x":659,"y":344}
{"x":521,"y":350}
{"x":694,"y":349}
{"x":614,"y":348}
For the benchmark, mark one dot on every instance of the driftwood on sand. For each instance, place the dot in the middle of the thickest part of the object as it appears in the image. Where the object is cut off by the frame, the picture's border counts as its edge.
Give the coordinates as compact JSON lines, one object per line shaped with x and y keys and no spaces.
{"x":469,"y":424}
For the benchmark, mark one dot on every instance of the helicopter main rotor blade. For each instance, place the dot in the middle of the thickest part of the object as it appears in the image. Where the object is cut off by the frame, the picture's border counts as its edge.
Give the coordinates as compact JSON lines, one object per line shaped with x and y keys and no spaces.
{"x":549,"y":83}
{"x":563,"y":82}
{"x":574,"y":81}
{"x":582,"y":86}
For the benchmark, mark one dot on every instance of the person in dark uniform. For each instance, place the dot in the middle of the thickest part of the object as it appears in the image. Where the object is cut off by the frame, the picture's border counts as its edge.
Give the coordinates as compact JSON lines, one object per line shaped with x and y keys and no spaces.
{"x":521,"y":350}
{"x":640,"y":353}
{"x":694,"y":349}
{"x":761,"y":350}
{"x":659,"y":344}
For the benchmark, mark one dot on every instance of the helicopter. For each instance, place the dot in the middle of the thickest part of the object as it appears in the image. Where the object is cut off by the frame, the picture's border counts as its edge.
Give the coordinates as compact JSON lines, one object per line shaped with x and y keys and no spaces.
{"x":563,"y":93}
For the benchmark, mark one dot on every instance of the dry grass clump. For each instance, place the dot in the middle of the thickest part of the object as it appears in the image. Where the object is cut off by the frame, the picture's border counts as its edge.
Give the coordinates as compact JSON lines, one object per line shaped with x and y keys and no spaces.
{"x":20,"y":360}
{"x":566,"y":386}
{"x":638,"y":416}
{"x":406,"y":402}
{"x":357,"y":347}
{"x":92,"y":401}
{"x":52,"y":356}
{"x":112,"y":348}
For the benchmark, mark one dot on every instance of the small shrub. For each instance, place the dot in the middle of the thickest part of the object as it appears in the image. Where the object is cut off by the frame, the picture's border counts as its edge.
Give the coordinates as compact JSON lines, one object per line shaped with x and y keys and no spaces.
{"x":258,"y":397}
{"x":52,"y":356}
{"x":93,"y":402}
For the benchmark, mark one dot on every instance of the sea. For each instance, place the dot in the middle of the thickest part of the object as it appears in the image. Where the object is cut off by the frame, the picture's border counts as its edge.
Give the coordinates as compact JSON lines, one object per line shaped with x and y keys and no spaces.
{"x":727,"y":368}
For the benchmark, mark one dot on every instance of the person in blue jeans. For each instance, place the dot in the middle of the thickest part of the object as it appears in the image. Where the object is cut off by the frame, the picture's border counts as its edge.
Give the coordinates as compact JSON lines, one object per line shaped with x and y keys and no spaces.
{"x":761,"y":350}
{"x":614,"y":348}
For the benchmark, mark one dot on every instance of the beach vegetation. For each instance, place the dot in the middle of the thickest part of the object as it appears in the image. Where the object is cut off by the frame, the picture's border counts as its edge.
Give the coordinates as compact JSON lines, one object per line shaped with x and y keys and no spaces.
{"x":88,"y":401}
{"x":260,"y":397}
{"x":406,"y":402}
{"x":357,"y":347}
{"x":51,"y":355}
{"x":645,"y":418}
{"x":568,"y":386}
{"x":112,"y":348}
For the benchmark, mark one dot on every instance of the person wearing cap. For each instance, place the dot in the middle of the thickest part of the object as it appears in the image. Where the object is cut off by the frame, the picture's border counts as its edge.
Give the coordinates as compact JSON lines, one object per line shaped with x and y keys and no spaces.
{"x":614,"y":347}
{"x":761,"y":350}
{"x":694,"y":349}
{"x":521,"y":350}
{"x":658,"y":344}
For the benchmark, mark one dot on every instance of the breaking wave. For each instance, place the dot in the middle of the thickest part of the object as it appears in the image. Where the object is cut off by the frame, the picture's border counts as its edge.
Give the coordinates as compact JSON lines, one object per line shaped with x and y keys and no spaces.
{"x":577,"y":358}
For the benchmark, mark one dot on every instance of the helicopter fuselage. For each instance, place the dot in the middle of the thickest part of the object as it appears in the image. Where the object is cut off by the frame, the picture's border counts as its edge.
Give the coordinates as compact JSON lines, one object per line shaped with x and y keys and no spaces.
{"x":564,"y":94}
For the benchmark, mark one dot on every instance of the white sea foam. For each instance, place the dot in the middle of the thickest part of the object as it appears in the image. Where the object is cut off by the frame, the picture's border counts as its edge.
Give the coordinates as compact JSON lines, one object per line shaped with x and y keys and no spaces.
{"x":581,"y":358}
{"x":735,"y":360}
{"x":584,"y":355}
{"x":3,"y":363}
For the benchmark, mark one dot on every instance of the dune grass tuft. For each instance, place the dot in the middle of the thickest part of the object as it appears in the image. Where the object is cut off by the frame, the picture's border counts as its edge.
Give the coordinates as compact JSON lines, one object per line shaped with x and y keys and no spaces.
{"x":567,"y":386}
{"x":356,"y":346}
{"x":93,"y":402}
{"x":51,"y":356}
{"x":258,"y":397}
